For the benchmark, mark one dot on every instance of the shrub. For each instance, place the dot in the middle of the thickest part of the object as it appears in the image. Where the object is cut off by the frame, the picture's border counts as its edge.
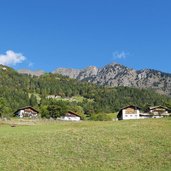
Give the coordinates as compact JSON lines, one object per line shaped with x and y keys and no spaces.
{"x":100,"y":117}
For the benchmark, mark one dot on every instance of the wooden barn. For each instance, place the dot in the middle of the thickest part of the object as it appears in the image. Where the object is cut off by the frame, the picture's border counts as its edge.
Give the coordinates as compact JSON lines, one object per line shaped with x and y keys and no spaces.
{"x":70,"y":116}
{"x":27,"y":111}
{"x":158,"y":111}
{"x":129,"y":112}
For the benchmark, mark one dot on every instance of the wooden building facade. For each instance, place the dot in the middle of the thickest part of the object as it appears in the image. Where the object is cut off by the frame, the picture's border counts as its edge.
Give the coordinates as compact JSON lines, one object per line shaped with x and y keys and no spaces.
{"x":27,"y":111}
{"x":158,"y":111}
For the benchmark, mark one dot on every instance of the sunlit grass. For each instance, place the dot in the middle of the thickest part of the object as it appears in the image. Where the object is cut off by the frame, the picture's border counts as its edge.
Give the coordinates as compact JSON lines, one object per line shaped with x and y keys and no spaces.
{"x":91,"y":146}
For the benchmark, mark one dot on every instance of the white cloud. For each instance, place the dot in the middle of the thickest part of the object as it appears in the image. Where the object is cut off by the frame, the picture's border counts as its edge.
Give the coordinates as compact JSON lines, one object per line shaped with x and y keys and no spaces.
{"x":120,"y":55}
{"x":30,"y":64}
{"x":11,"y":58}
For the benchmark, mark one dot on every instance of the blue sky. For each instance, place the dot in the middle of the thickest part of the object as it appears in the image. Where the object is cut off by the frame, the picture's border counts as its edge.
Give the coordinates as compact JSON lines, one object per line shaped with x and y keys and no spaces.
{"x":46,"y":34}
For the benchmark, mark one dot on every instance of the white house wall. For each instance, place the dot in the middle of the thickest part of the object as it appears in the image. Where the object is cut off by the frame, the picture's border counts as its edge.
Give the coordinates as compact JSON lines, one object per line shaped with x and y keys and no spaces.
{"x":20,"y":113}
{"x":66,"y":118}
{"x":126,"y":116}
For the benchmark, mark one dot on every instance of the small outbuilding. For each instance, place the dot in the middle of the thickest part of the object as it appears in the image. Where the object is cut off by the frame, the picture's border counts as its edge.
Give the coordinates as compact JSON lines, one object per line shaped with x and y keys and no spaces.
{"x":129,"y":112}
{"x":70,"y":116}
{"x":27,"y":111}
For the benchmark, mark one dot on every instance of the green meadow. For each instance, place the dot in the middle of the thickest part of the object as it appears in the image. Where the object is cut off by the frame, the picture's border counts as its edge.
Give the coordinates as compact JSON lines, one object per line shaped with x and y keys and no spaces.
{"x":85,"y":146}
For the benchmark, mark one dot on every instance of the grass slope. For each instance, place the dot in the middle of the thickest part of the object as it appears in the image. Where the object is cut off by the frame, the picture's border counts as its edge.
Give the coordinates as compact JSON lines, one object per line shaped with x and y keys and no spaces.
{"x":87,"y":146}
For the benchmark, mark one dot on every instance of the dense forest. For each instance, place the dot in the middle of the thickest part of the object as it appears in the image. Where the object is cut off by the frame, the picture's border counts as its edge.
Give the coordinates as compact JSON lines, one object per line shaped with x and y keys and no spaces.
{"x":18,"y":90}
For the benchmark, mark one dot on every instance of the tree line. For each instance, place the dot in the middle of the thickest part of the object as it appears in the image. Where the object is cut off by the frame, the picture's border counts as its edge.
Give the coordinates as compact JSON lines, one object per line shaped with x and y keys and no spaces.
{"x":18,"y":90}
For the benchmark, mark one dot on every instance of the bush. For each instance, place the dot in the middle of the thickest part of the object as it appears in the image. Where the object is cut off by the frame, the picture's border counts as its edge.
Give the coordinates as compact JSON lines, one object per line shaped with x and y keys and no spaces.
{"x":100,"y":117}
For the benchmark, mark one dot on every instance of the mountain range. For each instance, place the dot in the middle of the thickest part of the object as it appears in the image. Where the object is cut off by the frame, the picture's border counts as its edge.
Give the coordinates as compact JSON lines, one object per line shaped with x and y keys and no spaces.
{"x":114,"y":75}
{"x":40,"y":89}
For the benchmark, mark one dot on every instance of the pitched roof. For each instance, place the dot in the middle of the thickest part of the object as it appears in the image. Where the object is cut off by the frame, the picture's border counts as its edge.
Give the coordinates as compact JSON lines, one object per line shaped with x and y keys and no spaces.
{"x":72,"y":113}
{"x":136,"y":107}
{"x":154,"y":107}
{"x":26,"y":107}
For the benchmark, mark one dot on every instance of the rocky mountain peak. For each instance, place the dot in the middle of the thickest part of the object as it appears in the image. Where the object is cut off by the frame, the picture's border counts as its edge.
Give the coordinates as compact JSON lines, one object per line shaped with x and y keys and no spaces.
{"x":115,"y":74}
{"x":91,"y":70}
{"x":72,"y":73}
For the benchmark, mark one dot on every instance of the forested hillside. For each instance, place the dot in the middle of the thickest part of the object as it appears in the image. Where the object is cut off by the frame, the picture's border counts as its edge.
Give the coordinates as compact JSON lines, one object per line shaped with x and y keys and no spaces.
{"x":18,"y":90}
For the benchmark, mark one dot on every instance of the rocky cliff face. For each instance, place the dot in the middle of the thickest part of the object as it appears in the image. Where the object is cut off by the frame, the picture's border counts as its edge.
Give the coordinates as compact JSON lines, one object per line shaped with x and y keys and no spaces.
{"x":72,"y":73}
{"x":29,"y":72}
{"x":119,"y":75}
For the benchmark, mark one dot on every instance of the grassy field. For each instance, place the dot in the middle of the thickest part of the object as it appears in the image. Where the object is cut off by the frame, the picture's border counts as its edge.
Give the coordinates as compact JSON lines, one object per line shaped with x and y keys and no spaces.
{"x":86,"y":146}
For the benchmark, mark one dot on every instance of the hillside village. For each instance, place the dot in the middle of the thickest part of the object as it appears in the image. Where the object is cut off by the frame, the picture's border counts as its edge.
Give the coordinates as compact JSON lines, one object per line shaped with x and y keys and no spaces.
{"x":126,"y":113}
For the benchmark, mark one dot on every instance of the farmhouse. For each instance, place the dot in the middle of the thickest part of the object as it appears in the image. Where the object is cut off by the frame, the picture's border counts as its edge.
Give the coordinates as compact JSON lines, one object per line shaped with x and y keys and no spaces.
{"x":27,"y":111}
{"x":70,"y":116}
{"x":129,"y":112}
{"x":158,"y":111}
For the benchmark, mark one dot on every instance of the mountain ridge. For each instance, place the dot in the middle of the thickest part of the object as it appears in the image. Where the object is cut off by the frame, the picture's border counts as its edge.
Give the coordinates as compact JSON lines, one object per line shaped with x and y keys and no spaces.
{"x":119,"y":75}
{"x":115,"y":74}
